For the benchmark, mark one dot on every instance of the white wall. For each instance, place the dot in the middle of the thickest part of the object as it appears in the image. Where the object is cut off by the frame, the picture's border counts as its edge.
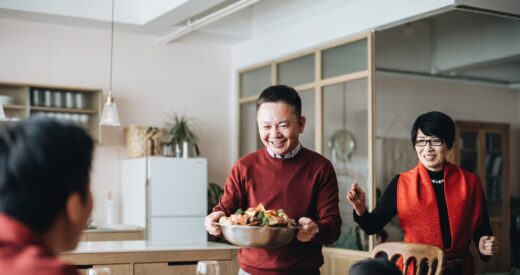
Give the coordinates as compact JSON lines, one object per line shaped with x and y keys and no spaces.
{"x":407,"y":98}
{"x":149,"y":81}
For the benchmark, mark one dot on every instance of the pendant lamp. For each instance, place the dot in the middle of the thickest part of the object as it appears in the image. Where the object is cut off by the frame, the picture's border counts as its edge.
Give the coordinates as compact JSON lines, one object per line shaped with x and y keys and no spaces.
{"x":110,"y":117}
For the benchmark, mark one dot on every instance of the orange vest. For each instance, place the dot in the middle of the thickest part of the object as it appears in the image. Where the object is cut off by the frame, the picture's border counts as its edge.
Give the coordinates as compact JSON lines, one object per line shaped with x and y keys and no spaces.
{"x":419,"y":215}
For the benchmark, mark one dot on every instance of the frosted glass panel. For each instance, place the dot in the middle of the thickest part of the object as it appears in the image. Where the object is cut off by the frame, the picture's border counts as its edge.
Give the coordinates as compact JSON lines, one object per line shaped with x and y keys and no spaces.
{"x":307,"y":138}
{"x":345,"y":123}
{"x":297,"y":71}
{"x":493,"y":162}
{"x":469,"y":151}
{"x":345,"y":59}
{"x":249,"y":140}
{"x":255,"y":81}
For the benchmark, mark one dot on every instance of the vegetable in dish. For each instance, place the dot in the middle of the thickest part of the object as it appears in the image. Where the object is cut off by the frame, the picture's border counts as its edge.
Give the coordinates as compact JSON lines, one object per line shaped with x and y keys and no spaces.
{"x":258,"y":216}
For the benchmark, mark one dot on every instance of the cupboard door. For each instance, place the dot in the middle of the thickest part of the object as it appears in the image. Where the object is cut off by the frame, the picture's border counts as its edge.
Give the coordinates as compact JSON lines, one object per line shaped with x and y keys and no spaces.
{"x":249,"y":140}
{"x":308,"y":137}
{"x":468,"y":150}
{"x":493,"y":174}
{"x":115,"y":269}
{"x":346,"y":145}
{"x":176,"y":268}
{"x":253,"y":82}
{"x":296,"y":71}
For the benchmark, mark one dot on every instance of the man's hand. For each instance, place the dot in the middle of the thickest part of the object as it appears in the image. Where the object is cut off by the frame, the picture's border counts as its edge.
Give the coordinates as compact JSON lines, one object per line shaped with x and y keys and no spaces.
{"x":210,"y":220}
{"x":308,"y":229}
{"x":488,"y":245}
{"x":356,"y":197}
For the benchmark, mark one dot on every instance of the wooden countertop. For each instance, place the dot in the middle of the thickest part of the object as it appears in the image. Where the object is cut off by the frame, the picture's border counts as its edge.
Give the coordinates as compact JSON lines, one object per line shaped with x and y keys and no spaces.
{"x":142,"y":246}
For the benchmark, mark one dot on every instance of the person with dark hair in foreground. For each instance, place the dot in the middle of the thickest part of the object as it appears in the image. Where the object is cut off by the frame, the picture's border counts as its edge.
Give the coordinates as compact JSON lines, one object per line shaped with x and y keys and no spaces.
{"x":283,"y":175}
{"x":45,"y":198}
{"x":377,"y":266}
{"x":437,"y":202}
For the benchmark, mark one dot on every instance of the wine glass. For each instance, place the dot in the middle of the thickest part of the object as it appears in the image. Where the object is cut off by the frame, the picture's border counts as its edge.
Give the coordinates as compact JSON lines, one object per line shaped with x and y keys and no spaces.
{"x":208,"y":268}
{"x":98,"y":271}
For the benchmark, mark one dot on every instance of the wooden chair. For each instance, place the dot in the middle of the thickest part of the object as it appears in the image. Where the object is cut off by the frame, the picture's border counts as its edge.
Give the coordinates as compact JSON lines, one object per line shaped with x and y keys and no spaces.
{"x":421,"y":253}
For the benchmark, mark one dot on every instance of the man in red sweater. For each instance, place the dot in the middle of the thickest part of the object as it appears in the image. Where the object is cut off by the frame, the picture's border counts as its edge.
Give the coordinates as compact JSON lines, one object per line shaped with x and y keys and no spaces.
{"x":283,"y":175}
{"x":45,"y":199}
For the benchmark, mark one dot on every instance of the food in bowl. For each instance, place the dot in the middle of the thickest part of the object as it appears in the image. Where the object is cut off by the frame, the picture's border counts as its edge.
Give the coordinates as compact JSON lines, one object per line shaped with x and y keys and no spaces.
{"x":257,"y":227}
{"x":258,"y":216}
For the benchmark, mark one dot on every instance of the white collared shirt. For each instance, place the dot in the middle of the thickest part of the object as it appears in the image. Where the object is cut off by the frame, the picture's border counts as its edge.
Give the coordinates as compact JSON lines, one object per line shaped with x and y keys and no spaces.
{"x":289,"y":155}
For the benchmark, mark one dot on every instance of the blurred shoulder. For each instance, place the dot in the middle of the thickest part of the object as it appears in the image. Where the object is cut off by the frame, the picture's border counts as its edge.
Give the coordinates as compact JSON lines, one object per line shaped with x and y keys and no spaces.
{"x":35,"y":261}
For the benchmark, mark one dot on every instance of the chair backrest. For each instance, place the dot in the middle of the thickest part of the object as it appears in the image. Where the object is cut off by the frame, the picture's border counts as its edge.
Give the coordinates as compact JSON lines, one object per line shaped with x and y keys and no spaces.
{"x":410,"y":252}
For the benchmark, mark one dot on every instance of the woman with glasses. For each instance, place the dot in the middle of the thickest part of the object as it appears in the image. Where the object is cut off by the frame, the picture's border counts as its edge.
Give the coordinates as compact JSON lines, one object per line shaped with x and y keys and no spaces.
{"x":437,"y":202}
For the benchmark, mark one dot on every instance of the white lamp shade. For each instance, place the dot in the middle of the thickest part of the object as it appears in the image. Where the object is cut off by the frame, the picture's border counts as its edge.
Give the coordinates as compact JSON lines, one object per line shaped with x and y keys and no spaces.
{"x":110,"y":117}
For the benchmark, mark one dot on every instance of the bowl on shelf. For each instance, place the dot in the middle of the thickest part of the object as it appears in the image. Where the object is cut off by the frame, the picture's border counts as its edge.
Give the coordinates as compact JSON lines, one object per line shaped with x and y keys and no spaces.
{"x":258,"y":236}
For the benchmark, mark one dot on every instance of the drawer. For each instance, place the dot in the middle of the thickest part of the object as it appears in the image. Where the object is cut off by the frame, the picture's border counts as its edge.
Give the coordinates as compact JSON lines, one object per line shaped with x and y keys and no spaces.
{"x":176,"y":268}
{"x":115,"y":269}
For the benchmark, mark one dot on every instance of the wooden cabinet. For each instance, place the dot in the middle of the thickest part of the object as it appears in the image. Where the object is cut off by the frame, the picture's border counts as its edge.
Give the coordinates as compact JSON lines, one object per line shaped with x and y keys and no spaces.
{"x":336,"y":86}
{"x":483,"y":148}
{"x":80,"y":106}
{"x":115,"y":269}
{"x":96,"y":235}
{"x":176,"y":268}
{"x":142,"y":258}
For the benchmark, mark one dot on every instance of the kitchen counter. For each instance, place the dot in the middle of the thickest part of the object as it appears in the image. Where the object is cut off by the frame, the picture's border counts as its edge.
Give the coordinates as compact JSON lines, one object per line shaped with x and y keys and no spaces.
{"x":143,"y":257}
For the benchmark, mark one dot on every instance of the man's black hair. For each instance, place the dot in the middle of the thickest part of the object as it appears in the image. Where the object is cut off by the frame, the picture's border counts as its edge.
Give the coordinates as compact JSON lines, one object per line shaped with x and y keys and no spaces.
{"x":42,"y":162}
{"x":281,"y":93}
{"x":435,"y":124}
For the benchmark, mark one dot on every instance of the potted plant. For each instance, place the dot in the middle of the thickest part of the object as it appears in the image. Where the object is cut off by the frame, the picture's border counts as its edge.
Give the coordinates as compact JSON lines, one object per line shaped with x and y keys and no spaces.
{"x":180,"y":136}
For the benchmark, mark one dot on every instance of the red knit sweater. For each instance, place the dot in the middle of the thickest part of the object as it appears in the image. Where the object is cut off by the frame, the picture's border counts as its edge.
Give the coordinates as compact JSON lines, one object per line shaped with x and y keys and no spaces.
{"x":22,"y":252}
{"x":304,"y":186}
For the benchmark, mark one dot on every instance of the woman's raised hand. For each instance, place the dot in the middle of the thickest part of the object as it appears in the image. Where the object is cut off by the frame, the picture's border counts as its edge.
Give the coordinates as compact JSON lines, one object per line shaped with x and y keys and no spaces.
{"x":356,"y":197}
{"x":488,"y":245}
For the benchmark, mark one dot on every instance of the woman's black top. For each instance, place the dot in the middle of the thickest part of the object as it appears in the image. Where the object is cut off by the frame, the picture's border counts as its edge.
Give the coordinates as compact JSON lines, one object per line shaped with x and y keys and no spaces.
{"x":386,"y":209}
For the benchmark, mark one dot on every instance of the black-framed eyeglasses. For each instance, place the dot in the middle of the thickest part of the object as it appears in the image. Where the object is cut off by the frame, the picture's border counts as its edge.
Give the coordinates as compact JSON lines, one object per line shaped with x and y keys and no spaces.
{"x":432,"y":142}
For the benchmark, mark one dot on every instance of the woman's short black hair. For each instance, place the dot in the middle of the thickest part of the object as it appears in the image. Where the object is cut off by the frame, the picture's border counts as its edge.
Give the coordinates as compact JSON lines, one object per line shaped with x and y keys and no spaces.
{"x":374,"y":267}
{"x":436,"y":124}
{"x":281,"y":93}
{"x":42,"y":162}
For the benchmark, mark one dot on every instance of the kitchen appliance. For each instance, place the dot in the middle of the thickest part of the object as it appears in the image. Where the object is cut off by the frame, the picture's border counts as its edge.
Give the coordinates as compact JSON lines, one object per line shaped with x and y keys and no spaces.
{"x":166,"y":196}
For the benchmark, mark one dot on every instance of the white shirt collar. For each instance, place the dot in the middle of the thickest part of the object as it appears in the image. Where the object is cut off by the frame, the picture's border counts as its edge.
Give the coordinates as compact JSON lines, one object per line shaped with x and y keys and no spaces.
{"x":289,"y":155}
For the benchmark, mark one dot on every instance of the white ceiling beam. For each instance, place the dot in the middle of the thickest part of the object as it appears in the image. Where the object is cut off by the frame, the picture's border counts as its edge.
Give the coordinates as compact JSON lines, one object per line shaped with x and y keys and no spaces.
{"x":197,"y":24}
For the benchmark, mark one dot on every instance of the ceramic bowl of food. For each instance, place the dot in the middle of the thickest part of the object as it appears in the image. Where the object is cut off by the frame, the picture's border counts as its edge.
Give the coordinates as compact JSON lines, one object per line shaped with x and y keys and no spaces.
{"x":258,"y":236}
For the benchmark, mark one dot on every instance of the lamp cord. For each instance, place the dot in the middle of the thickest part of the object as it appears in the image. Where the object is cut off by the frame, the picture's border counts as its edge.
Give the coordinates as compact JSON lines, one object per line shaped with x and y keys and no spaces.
{"x":111,"y":49}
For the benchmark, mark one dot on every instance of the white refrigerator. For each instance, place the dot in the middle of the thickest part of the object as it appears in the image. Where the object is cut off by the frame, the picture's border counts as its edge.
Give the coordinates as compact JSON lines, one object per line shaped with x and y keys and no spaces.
{"x":166,"y":196}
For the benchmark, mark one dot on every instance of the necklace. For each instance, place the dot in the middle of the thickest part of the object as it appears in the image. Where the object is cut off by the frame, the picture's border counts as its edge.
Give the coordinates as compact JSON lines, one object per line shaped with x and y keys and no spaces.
{"x":441,"y":181}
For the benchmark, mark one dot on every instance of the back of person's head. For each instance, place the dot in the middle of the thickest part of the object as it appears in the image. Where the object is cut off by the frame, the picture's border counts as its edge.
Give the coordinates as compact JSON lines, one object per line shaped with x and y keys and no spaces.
{"x":377,"y":266}
{"x":435,"y":124}
{"x":281,"y":93}
{"x":42,"y":162}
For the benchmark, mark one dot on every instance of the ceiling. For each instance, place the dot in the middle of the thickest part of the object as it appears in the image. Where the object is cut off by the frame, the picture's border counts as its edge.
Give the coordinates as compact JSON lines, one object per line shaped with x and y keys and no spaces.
{"x":151,"y":17}
{"x":457,"y":44}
